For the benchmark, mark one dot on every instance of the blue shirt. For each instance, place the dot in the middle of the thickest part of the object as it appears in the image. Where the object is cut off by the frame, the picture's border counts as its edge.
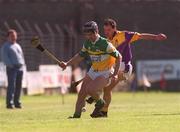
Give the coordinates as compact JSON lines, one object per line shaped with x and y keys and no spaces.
{"x":12,"y":55}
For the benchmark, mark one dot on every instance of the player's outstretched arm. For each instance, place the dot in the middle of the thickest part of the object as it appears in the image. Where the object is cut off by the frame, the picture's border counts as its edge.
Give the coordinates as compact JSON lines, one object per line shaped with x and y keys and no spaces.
{"x":158,"y":37}
{"x":74,"y":60}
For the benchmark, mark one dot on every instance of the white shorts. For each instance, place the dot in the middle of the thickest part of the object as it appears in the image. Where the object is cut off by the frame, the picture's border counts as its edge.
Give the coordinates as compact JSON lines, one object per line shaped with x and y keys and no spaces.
{"x":94,"y":74}
{"x":128,"y":73}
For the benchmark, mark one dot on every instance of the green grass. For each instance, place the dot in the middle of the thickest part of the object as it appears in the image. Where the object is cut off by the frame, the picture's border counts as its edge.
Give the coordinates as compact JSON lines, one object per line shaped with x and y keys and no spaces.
{"x":140,"y":112}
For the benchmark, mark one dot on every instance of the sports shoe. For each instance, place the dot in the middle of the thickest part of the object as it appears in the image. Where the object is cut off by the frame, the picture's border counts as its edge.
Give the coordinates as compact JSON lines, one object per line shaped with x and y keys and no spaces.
{"x":18,"y":106}
{"x":104,"y":114}
{"x":9,"y":107}
{"x":98,"y":106}
{"x":75,"y":116}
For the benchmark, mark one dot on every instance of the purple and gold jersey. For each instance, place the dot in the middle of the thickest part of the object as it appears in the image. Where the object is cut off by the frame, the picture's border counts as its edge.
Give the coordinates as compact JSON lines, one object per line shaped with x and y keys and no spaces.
{"x":122,"y":41}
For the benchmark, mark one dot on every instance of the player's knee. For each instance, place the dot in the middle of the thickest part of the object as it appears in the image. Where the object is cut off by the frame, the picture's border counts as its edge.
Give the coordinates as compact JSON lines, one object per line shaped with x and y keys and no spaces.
{"x":107,"y":90}
{"x":121,"y":77}
{"x":111,"y":86}
{"x":90,"y":90}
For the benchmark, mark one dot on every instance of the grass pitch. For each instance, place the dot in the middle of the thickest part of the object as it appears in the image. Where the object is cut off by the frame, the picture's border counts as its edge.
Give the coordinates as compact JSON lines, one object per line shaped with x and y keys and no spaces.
{"x":139,"y":112}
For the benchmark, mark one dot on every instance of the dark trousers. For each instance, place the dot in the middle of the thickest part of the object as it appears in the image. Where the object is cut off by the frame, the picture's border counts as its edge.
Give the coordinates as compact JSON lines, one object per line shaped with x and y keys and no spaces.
{"x":14,"y":76}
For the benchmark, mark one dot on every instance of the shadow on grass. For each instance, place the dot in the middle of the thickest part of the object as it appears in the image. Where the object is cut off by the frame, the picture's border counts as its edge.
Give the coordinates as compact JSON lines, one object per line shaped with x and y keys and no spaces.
{"x":160,"y":114}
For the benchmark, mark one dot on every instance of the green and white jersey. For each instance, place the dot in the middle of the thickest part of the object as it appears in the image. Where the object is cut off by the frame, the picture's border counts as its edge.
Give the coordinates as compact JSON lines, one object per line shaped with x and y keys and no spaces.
{"x":101,"y":52}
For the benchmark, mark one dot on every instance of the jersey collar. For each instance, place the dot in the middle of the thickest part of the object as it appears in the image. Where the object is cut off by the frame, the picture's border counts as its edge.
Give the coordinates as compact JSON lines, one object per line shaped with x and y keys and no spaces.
{"x":114,"y":34}
{"x":98,"y":36}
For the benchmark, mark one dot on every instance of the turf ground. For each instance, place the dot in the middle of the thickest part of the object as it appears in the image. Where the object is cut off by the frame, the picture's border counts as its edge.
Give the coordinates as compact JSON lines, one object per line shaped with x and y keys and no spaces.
{"x":140,"y":112}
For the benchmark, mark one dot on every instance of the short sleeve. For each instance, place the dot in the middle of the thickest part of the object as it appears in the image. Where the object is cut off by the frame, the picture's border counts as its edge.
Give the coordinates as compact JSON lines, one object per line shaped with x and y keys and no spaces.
{"x":83,"y":52}
{"x":112,"y":50}
{"x":136,"y":36}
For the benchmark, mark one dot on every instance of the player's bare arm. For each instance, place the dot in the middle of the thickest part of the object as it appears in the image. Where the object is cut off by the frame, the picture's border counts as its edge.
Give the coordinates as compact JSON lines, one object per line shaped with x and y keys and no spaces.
{"x":117,"y":66}
{"x":147,"y":36}
{"x":74,"y":60}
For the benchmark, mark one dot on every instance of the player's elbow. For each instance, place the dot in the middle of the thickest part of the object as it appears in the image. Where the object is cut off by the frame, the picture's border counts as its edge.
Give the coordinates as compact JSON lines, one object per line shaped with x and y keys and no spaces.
{"x":120,"y":57}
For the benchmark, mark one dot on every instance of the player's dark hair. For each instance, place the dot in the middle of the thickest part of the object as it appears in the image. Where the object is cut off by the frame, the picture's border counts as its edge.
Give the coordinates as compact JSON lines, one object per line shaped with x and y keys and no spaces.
{"x":10,"y":31}
{"x":110,"y":22}
{"x":90,"y":26}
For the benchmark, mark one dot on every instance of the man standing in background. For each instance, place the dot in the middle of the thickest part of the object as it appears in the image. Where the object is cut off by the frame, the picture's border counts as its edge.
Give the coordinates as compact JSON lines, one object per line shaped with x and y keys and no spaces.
{"x":13,"y":58}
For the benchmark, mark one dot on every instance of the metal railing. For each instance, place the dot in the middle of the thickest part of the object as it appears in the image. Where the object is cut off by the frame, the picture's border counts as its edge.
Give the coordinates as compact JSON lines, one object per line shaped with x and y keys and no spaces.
{"x":63,"y":42}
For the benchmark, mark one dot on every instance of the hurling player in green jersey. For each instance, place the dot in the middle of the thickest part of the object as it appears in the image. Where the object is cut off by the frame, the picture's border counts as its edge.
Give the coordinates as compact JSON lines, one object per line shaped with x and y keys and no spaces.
{"x":103,"y":56}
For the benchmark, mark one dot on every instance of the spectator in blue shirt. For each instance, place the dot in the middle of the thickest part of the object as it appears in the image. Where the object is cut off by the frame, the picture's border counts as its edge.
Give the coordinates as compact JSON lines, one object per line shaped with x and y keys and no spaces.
{"x":13,"y":58}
